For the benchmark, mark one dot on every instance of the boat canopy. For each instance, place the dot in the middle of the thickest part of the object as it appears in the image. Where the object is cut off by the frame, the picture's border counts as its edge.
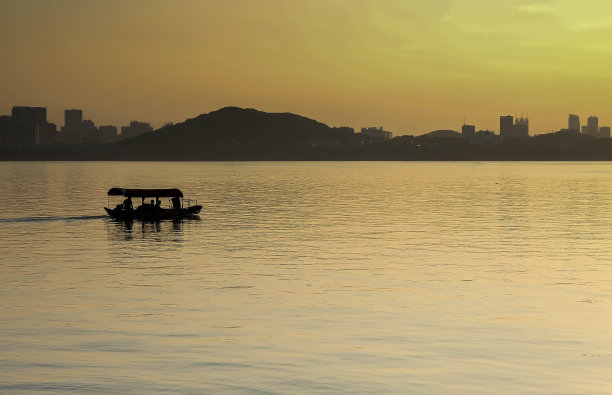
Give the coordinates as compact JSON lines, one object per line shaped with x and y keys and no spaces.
{"x":143,"y":193}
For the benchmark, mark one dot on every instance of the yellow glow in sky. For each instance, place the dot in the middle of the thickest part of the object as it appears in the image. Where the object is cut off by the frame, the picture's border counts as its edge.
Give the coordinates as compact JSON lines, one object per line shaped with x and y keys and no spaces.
{"x":411,"y":66}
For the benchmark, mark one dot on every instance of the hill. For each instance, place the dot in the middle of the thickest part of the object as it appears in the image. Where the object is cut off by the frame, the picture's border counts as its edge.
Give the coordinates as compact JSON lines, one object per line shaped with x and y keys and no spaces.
{"x":444,"y":134}
{"x":233,"y":133}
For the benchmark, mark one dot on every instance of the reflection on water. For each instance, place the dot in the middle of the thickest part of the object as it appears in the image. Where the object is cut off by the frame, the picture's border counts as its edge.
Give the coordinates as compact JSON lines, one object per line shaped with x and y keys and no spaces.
{"x":167,"y":230}
{"x":309,"y":278}
{"x":55,"y":218}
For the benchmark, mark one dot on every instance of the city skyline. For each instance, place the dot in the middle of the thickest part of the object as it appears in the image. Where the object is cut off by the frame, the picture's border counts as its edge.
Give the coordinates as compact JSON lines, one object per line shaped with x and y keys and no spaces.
{"x":560,"y":122}
{"x":29,"y":126}
{"x":510,"y":125}
{"x":411,"y":66}
{"x":75,"y":124}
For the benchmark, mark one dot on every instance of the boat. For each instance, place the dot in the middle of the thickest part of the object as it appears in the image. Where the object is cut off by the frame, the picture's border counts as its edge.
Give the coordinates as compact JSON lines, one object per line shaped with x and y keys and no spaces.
{"x":176,"y":208}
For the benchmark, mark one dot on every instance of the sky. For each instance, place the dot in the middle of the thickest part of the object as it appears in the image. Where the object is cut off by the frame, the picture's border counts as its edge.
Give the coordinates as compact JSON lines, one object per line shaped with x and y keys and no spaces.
{"x":410,"y":66}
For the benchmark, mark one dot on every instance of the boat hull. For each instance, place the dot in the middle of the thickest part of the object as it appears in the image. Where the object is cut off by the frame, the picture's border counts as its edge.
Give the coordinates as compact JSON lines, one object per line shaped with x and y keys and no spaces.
{"x":153,"y":214}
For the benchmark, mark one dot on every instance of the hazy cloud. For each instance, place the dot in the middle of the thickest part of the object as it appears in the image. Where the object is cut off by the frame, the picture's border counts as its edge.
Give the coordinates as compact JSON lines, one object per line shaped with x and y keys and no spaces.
{"x":535,"y":8}
{"x":595,"y":24}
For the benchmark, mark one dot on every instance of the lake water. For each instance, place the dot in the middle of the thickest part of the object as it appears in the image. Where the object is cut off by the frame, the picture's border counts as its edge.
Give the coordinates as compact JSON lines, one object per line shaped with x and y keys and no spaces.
{"x":358,"y":277}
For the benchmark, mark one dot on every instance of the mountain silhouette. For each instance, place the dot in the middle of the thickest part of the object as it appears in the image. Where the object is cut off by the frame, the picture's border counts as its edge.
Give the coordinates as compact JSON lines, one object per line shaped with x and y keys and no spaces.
{"x":234,"y":133}
{"x":444,"y":134}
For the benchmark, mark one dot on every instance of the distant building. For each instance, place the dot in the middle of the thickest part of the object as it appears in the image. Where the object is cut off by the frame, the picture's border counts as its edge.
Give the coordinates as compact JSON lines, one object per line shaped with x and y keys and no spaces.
{"x":89,"y":132}
{"x":5,"y":132}
{"x":573,"y":122}
{"x":29,"y":126}
{"x":89,"y":126}
{"x":29,"y":116}
{"x":72,"y":132}
{"x":78,"y":130}
{"x":508,"y":127}
{"x":521,"y":127}
{"x":486,"y":137}
{"x":376,"y":133}
{"x":47,"y":134}
{"x":107,"y":134}
{"x":135,"y":129}
{"x":73,"y":119}
{"x":468,"y":131}
{"x":592,"y":127}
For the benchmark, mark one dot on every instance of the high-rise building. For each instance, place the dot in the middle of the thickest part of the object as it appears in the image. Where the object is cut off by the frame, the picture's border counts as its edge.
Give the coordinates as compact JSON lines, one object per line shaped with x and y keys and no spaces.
{"x":592,"y":127}
{"x":506,"y":125}
{"x":521,"y":127}
{"x":28,"y":122}
{"x":468,"y":131}
{"x":29,"y":116}
{"x":6,"y":137}
{"x":604,"y":132}
{"x":73,"y":119}
{"x":74,"y":130}
{"x":573,"y":123}
{"x":89,"y":132}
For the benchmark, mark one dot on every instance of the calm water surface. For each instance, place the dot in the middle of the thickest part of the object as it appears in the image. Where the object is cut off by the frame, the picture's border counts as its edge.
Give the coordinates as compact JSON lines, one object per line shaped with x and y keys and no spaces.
{"x":309,"y":278}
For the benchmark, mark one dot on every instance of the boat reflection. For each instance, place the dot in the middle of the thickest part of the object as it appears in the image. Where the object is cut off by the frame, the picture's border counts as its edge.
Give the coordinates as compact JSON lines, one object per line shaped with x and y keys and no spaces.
{"x":155,"y":231}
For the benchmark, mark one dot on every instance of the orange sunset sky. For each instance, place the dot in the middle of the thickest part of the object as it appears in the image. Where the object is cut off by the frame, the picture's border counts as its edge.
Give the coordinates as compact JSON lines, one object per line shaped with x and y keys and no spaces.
{"x":410,"y":66}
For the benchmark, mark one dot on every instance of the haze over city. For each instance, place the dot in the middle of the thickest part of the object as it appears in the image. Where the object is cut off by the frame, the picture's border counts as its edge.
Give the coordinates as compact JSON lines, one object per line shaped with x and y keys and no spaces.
{"x":410,"y":66}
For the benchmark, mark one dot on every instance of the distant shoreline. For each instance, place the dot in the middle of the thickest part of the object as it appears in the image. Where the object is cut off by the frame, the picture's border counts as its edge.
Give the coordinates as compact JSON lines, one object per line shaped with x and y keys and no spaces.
{"x":236,"y":134}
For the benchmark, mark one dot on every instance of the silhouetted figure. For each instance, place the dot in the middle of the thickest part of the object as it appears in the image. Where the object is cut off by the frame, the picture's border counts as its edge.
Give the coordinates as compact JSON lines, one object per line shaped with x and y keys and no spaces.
{"x":176,"y":203}
{"x":127,"y":204}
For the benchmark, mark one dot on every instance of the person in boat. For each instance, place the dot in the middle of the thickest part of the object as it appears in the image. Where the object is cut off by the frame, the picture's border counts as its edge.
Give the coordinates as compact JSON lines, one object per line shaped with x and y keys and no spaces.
{"x":127,"y":204}
{"x":176,"y":203}
{"x":144,"y":207}
{"x":158,"y":205}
